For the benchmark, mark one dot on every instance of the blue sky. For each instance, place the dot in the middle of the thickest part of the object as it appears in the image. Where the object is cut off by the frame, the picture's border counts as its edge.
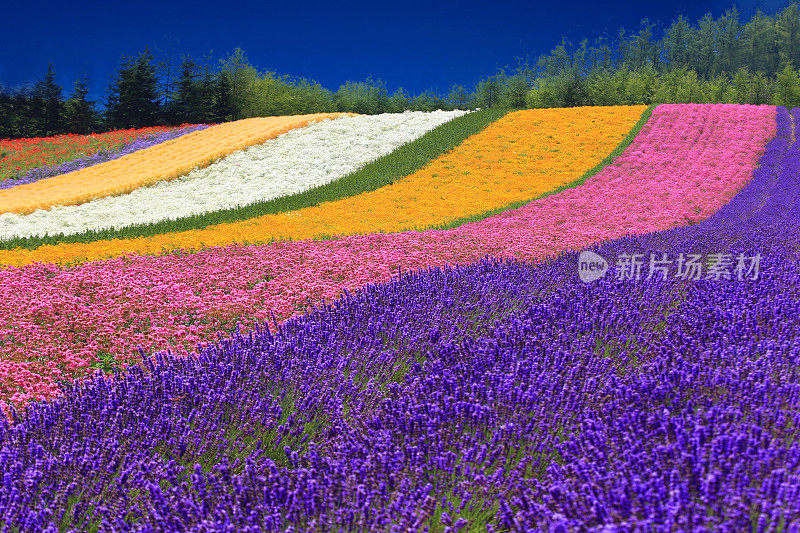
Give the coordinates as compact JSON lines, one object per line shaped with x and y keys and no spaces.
{"x":415,"y":45}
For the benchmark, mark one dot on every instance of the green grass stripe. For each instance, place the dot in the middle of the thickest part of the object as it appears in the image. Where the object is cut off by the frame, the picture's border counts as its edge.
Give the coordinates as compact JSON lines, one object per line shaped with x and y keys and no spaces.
{"x":571,"y":185}
{"x":383,"y":171}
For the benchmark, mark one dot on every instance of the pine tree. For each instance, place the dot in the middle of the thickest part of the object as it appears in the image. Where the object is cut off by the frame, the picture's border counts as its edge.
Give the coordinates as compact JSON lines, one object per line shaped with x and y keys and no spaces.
{"x":729,"y":42}
{"x":241,"y":76}
{"x":49,"y":106}
{"x":6,"y":114}
{"x":787,"y":25}
{"x":487,"y":93}
{"x":676,"y":43}
{"x":460,"y":98}
{"x":133,"y":95}
{"x":223,"y":109}
{"x":190,"y":102}
{"x":760,"y":45}
{"x":146,"y":102}
{"x":80,"y":115}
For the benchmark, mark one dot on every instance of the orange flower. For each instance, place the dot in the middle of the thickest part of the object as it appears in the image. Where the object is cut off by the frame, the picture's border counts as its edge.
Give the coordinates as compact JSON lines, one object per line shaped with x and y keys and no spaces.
{"x":164,"y":161}
{"x":520,"y":157}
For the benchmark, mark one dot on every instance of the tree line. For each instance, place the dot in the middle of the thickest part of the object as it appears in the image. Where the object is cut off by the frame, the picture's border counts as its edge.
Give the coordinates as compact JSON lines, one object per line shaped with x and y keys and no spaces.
{"x":720,"y":59}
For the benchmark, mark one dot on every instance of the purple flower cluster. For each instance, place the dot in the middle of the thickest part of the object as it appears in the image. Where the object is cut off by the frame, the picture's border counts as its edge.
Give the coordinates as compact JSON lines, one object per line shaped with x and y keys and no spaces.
{"x":102,"y":156}
{"x":500,"y":396}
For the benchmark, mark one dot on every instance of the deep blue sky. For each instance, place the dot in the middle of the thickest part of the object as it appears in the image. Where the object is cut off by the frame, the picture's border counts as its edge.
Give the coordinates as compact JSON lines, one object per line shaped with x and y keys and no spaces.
{"x":415,"y":45}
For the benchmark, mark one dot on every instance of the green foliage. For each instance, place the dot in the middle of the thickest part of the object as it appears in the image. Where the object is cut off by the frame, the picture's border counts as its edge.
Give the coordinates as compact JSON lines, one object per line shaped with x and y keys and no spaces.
{"x":222,"y":110}
{"x":647,"y":86}
{"x":459,"y":98}
{"x":366,"y":97}
{"x":489,"y":91}
{"x":49,"y":104}
{"x":787,"y":88}
{"x":240,"y":77}
{"x":513,"y":91}
{"x":379,"y":173}
{"x":133,"y":95}
{"x":722,"y":59}
{"x":398,"y":102}
{"x":680,"y":86}
{"x":567,"y":89}
{"x":106,"y":363}
{"x":79,"y":114}
{"x":194,"y":101}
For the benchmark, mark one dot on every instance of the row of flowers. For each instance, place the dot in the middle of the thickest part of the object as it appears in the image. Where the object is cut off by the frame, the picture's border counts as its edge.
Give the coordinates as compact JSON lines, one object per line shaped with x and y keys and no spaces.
{"x":494,"y":396}
{"x":101,"y":155}
{"x":519,"y":157}
{"x":293,"y":162}
{"x":20,"y":156}
{"x":69,"y":316}
{"x":164,"y":161}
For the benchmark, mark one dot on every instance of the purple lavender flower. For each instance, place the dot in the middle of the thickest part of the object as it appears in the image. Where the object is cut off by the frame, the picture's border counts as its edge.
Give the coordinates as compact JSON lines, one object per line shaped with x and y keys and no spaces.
{"x":102,"y":156}
{"x":500,"y":395}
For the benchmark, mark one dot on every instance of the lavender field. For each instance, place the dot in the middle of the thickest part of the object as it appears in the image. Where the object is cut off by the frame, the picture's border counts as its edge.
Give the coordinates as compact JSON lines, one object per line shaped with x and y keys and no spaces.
{"x":501,"y":395}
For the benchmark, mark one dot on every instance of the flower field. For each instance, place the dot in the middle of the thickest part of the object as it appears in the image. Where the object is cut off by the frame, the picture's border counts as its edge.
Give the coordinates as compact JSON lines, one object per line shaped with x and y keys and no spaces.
{"x":71,"y":160}
{"x":438,"y":365}
{"x":164,"y":161}
{"x":20,"y":156}
{"x":289,"y":164}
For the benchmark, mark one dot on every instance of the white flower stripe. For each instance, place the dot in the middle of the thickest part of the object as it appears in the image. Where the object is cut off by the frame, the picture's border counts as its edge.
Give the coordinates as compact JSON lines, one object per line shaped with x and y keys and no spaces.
{"x":291,"y":163}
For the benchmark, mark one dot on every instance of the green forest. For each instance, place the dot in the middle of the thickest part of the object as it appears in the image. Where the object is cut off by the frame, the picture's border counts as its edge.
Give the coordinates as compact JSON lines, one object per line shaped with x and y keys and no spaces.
{"x":712,"y":60}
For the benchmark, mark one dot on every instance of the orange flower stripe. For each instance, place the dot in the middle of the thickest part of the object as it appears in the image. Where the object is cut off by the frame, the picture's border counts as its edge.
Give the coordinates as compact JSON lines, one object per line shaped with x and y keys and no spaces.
{"x":520,"y":157}
{"x":165,"y":161}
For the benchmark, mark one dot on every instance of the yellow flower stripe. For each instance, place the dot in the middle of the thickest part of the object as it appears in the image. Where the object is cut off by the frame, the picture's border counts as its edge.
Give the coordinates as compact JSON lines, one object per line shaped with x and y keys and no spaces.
{"x":164,"y":161}
{"x":521,"y":156}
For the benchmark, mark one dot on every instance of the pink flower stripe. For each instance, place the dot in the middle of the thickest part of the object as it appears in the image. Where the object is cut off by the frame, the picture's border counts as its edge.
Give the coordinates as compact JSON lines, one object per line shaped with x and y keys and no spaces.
{"x":687,"y":162}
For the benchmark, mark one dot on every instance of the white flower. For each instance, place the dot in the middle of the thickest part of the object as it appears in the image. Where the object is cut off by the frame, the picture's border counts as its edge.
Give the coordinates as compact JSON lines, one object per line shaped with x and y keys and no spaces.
{"x":296,"y":161}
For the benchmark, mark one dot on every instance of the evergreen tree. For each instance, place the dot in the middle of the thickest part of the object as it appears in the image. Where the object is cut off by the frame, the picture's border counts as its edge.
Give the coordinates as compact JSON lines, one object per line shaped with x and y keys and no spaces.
{"x":241,"y":76}
{"x":80,"y":115}
{"x":6,"y":114}
{"x":729,"y":46}
{"x":760,"y":45}
{"x":787,"y":26}
{"x":706,"y":62}
{"x":49,"y":104}
{"x":148,"y":109}
{"x":676,"y":43}
{"x":487,"y":93}
{"x":556,"y":61}
{"x":460,"y":98}
{"x":643,"y":50}
{"x":223,"y":109}
{"x":193,"y":102}
{"x":133,"y":95}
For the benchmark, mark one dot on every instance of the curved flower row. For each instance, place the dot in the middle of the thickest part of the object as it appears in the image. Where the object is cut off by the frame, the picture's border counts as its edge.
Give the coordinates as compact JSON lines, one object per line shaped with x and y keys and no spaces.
{"x":519,"y":157}
{"x":101,"y":156}
{"x":494,"y":396}
{"x":71,"y":318}
{"x":165,"y":161}
{"x":293,"y":162}
{"x":19,"y":156}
